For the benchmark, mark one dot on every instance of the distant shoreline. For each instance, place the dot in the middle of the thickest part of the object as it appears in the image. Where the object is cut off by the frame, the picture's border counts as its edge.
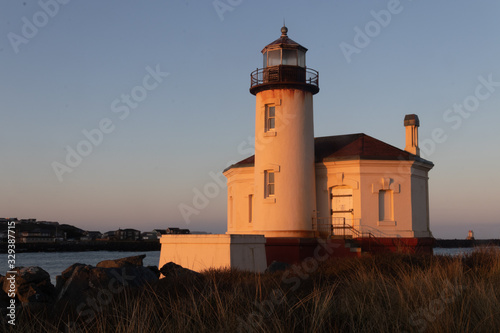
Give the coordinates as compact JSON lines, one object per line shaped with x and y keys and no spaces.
{"x":156,"y":246}
{"x":453,"y":243}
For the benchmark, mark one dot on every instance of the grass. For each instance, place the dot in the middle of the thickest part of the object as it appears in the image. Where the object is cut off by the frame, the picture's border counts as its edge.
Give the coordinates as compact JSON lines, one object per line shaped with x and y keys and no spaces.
{"x":384,"y":293}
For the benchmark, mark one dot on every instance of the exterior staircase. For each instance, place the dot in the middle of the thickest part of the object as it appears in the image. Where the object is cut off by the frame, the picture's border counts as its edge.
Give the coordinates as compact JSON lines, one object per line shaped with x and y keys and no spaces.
{"x":353,"y":246}
{"x":344,"y":247}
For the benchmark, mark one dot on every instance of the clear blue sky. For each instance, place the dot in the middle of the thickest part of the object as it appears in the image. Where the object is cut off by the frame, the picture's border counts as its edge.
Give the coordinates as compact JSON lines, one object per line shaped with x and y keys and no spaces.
{"x":73,"y":71}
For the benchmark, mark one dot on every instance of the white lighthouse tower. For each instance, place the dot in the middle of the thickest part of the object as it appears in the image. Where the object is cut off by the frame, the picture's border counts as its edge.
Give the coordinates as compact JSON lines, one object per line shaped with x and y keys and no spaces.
{"x":284,"y":179}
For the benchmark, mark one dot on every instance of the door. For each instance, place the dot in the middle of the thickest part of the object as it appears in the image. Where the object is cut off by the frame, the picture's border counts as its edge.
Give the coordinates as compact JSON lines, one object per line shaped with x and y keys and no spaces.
{"x":342,"y":209}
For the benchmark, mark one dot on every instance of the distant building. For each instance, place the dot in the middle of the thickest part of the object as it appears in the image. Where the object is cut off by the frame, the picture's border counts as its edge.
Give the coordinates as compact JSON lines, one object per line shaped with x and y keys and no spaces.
{"x":36,"y":236}
{"x":27,"y":220}
{"x":109,"y":235}
{"x":149,"y":236}
{"x":91,"y":236}
{"x":177,"y":231}
{"x":160,"y":232}
{"x":470,"y":236}
{"x":8,"y":219}
{"x":128,"y":234}
{"x":48,"y":222}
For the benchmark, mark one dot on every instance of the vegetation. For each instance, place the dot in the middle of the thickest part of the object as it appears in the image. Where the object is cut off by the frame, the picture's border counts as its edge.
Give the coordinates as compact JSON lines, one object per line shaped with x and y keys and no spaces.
{"x":384,"y":293}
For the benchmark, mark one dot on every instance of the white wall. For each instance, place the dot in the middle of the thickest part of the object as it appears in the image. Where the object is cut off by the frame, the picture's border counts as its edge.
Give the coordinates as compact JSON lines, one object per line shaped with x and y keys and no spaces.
{"x":201,"y":252}
{"x":289,"y":152}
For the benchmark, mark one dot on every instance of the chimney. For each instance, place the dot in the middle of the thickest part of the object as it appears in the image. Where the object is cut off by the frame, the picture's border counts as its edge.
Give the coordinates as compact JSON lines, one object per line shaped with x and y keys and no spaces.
{"x":411,"y":124}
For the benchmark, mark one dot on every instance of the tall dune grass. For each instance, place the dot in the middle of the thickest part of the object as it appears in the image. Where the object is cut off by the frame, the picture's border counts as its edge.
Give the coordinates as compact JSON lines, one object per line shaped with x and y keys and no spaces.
{"x":384,"y":293}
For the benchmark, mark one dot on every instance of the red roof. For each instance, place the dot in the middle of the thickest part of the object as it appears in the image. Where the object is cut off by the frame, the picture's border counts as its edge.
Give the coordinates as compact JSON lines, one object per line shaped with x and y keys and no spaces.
{"x":349,"y":147}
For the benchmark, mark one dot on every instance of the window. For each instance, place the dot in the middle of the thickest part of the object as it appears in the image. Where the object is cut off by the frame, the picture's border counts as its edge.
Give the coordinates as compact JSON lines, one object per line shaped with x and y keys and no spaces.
{"x":290,"y":57}
{"x":274,"y":58}
{"x":250,"y":208}
{"x":269,"y":183}
{"x":385,"y":205}
{"x":301,"y":58}
{"x":270,"y":118}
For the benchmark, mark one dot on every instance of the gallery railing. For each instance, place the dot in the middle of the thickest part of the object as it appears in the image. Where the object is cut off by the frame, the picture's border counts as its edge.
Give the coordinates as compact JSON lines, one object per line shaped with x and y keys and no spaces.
{"x":284,"y":74}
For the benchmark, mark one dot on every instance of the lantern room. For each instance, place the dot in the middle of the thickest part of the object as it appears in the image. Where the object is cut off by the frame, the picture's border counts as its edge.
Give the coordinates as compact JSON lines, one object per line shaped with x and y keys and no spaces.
{"x":284,"y":67}
{"x":284,"y":51}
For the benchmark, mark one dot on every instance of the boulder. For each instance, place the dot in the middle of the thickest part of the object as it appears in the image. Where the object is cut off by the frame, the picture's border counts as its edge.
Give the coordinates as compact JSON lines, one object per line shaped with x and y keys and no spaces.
{"x":171,"y":269}
{"x":155,"y":270}
{"x":80,"y":285}
{"x":32,"y":285}
{"x":123,"y":262}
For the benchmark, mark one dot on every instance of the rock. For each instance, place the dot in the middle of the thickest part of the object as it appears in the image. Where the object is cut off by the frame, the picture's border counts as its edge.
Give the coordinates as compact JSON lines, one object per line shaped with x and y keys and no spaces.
{"x":32,"y":285}
{"x":155,"y":270}
{"x":80,"y":285}
{"x":123,"y":262}
{"x":277,"y":266}
{"x":173,"y":270}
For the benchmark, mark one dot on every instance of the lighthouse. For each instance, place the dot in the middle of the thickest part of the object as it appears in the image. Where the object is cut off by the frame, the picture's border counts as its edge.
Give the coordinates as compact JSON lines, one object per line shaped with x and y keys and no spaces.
{"x":299,"y":196}
{"x":284,"y":174}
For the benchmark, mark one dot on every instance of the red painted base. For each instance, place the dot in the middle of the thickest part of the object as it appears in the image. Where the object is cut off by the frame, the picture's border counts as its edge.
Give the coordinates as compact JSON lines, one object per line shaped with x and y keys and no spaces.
{"x":295,"y":250}
{"x":405,"y":245}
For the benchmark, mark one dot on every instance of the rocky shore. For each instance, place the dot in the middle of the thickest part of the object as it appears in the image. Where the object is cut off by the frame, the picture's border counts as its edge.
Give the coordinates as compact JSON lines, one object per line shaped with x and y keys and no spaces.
{"x":81,"y":289}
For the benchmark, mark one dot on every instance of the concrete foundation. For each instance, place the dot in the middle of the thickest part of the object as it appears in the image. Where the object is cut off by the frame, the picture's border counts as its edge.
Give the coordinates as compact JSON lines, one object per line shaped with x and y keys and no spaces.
{"x":201,"y":252}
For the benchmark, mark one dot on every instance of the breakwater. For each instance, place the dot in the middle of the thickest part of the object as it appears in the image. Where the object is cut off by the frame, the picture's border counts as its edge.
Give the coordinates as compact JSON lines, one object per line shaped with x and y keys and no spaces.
{"x":454,"y":243}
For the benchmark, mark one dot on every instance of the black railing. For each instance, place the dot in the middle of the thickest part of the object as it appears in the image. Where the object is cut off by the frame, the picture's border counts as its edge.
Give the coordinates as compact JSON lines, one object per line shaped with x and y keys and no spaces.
{"x":339,"y":227}
{"x":284,"y":74}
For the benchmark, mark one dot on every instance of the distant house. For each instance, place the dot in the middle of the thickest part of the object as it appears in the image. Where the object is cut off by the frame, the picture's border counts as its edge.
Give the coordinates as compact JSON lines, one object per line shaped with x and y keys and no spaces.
{"x":160,"y":232}
{"x":8,"y":219}
{"x":128,"y":234}
{"x":27,"y":220}
{"x":36,"y":236}
{"x":91,"y":236}
{"x":48,"y":222}
{"x":94,"y":234}
{"x":176,"y":231}
{"x":149,"y":236}
{"x":109,"y":235}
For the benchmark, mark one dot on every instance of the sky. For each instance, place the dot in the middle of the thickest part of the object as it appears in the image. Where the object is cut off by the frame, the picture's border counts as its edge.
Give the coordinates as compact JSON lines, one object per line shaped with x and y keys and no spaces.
{"x":117,"y":114}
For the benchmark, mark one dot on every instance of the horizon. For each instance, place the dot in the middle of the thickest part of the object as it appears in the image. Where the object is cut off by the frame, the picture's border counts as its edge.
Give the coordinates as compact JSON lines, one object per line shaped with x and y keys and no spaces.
{"x":121,"y":114}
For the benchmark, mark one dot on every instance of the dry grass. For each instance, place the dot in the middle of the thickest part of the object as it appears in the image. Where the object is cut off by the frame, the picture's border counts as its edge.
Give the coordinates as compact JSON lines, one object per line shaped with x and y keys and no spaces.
{"x":389,"y":293}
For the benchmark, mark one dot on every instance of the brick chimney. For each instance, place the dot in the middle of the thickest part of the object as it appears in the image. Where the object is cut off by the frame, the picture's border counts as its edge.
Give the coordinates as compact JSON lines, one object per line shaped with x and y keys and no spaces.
{"x":411,"y":124}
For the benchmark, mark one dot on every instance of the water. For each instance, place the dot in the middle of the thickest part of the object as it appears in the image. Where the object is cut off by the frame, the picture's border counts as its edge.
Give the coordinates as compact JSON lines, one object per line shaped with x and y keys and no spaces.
{"x":457,"y":251}
{"x":454,"y":251}
{"x":56,"y":262}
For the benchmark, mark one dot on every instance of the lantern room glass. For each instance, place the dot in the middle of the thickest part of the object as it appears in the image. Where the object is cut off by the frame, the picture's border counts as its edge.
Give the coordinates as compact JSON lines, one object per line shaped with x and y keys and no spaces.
{"x":274,"y":58}
{"x":287,"y":57}
{"x":301,"y":58}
